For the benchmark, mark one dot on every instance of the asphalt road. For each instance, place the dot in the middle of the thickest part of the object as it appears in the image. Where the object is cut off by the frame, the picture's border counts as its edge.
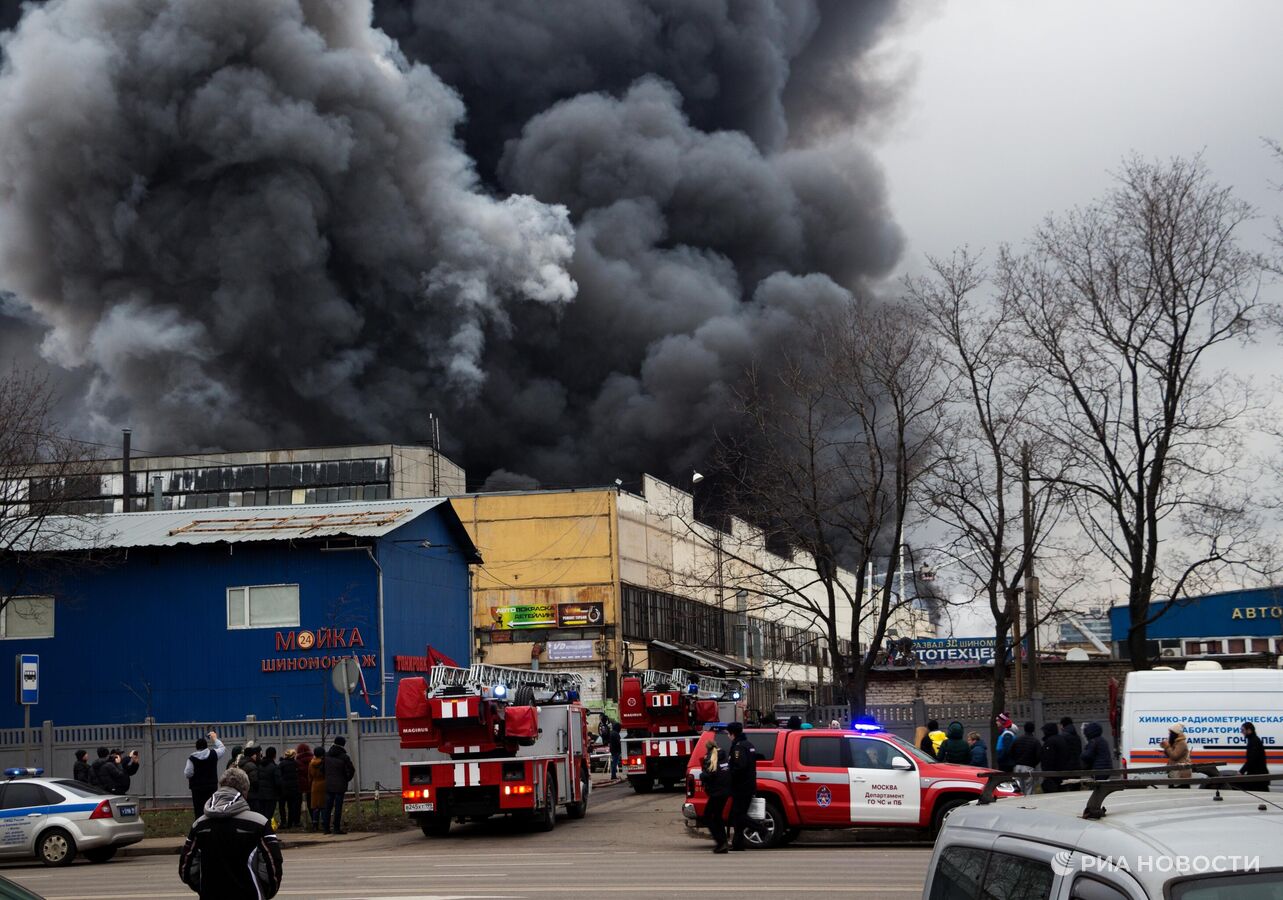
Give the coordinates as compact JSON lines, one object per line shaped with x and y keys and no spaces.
{"x":629,"y":846}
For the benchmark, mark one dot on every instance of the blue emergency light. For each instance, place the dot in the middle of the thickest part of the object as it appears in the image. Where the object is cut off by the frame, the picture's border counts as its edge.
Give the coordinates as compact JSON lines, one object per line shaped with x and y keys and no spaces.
{"x":692,"y":688}
{"x":500,"y":691}
{"x":20,"y":772}
{"x":735,"y":695}
{"x":572,"y":695}
{"x":865,"y":723}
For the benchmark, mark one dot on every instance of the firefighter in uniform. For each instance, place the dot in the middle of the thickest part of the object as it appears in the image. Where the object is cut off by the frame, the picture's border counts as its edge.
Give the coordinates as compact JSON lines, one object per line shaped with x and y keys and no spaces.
{"x":742,"y":762}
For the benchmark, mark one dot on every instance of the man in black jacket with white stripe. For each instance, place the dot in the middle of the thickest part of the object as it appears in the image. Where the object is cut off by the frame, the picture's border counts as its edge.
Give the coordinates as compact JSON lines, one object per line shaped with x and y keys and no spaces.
{"x":231,"y":851}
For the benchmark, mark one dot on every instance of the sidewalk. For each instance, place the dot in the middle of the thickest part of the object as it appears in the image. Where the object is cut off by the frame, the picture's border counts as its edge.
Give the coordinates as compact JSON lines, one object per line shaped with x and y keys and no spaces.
{"x":163,"y":846}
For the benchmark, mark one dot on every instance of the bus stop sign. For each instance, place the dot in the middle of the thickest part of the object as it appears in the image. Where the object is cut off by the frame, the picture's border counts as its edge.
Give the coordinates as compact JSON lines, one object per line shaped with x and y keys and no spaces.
{"x":28,"y":679}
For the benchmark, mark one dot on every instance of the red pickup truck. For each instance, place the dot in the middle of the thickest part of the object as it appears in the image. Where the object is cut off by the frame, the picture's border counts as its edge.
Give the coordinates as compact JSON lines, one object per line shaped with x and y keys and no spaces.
{"x":831,"y":778}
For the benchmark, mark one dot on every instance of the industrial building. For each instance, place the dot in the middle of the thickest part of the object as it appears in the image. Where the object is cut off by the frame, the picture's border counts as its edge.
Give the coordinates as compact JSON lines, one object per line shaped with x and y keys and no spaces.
{"x":604,"y":581}
{"x":213,"y":615}
{"x":1230,"y":623}
{"x":289,"y":477}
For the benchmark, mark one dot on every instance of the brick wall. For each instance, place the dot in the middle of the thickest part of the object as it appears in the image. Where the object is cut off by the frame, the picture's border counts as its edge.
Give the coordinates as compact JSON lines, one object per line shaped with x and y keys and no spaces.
{"x":1056,"y":680}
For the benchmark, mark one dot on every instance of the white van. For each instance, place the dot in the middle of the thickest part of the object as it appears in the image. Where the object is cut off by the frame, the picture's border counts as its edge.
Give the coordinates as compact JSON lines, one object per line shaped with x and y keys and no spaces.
{"x":1212,"y":704}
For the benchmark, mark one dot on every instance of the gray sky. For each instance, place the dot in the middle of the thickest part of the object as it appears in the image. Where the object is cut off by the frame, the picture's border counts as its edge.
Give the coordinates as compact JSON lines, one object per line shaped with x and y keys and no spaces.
{"x":1018,"y":109}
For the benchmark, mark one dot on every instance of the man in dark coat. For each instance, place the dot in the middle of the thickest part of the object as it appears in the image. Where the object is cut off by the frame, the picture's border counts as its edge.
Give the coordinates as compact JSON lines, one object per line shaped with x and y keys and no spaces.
{"x":616,"y":744}
{"x":250,"y":766}
{"x":1096,"y":754}
{"x":1055,"y":756}
{"x":1074,"y":742}
{"x":127,"y":766}
{"x":1025,"y":753}
{"x":1255,"y":763}
{"x":231,"y":851}
{"x":97,"y":777}
{"x":269,"y":784}
{"x":954,"y":748}
{"x":338,"y":772}
{"x":741,"y":760}
{"x":80,"y":771}
{"x":201,"y":771}
{"x":291,"y":793}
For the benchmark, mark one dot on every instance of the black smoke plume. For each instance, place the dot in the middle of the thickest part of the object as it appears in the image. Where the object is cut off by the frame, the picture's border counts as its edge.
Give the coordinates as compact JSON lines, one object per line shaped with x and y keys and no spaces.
{"x":566,"y":226}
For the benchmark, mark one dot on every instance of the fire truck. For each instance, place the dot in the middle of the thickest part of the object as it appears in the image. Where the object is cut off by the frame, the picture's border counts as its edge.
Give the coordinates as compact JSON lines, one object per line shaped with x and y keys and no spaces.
{"x":664,"y":713}
{"x":499,"y":741}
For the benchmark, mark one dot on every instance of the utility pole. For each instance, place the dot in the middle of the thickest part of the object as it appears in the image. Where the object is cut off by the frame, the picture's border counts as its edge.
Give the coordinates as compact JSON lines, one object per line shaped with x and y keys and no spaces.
{"x":1031,"y":580}
{"x":1012,"y":599}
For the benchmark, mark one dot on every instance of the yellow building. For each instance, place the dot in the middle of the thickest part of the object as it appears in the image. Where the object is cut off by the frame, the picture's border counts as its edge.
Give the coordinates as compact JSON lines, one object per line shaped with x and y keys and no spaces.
{"x":603,"y":581}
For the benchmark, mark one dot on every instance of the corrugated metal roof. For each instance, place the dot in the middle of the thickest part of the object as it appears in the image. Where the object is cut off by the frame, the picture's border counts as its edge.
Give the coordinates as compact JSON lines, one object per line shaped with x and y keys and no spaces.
{"x":230,"y":525}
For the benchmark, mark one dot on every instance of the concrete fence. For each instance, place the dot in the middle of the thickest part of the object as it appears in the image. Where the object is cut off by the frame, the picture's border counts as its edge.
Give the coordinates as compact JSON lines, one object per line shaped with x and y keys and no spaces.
{"x":375,"y":746}
{"x":164,"y":747}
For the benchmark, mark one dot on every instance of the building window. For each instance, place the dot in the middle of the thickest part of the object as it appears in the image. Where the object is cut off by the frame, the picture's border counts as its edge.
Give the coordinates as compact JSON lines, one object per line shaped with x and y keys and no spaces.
{"x":1260,"y":645}
{"x":1237,"y":645}
{"x":262,"y":606}
{"x":27,"y":617}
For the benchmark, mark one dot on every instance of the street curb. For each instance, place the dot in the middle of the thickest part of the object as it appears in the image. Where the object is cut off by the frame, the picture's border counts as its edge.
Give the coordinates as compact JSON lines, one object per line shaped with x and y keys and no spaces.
{"x":288,"y":843}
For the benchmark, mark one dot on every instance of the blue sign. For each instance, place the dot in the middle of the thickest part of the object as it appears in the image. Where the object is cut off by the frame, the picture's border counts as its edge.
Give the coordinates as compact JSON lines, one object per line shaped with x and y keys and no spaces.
{"x":28,"y":679}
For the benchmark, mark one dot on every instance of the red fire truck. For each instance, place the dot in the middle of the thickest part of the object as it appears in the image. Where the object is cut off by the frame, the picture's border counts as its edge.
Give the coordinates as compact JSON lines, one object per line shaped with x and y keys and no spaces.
{"x":499,"y":741}
{"x":664,"y":713}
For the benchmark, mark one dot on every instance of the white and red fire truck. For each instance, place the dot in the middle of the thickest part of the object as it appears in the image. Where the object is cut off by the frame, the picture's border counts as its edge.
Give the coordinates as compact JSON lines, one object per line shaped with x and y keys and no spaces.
{"x":664,"y":713}
{"x":498,"y":741}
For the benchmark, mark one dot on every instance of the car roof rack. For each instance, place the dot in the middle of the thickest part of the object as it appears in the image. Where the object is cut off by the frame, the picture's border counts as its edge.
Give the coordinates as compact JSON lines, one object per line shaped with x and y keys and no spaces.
{"x":1104,"y":782}
{"x":995,"y":778}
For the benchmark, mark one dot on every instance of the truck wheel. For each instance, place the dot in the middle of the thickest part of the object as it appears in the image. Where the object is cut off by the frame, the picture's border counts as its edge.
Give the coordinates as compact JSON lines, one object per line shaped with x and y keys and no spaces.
{"x":774,"y":826}
{"x":580,"y":809}
{"x":435,"y":826}
{"x":942,"y":809}
{"x":642,"y":784}
{"x":524,"y":696}
{"x":546,"y":818}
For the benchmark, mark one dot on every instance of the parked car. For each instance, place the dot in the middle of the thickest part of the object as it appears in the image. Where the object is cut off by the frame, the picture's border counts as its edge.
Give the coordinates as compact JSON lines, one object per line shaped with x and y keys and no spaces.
{"x":54,"y":819}
{"x":1142,"y":842}
{"x":841,"y":778}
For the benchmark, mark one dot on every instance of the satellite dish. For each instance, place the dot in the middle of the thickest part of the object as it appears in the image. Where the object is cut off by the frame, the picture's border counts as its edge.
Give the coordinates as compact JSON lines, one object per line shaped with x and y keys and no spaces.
{"x":345,"y":675}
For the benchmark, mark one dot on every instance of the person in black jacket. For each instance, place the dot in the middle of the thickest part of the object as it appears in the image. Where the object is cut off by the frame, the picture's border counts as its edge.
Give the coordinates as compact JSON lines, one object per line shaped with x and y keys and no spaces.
{"x":338,"y":772}
{"x":231,"y":851}
{"x":291,"y":791}
{"x":616,"y":743}
{"x":269,"y":784}
{"x":715,"y":777}
{"x":201,"y":771}
{"x":127,"y":767}
{"x":97,"y":778}
{"x":1055,"y":757}
{"x":1025,"y":753}
{"x":955,"y":748}
{"x":1096,"y":754}
{"x":1072,"y":740}
{"x":80,"y":771}
{"x":1255,"y":763}
{"x":741,"y":759}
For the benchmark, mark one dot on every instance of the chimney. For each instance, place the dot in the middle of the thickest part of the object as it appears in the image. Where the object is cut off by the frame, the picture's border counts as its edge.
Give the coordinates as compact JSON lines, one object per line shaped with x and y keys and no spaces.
{"x":126,"y":476}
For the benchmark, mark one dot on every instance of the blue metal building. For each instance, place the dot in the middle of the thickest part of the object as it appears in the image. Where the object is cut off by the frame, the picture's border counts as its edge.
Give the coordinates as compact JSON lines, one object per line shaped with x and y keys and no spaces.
{"x":1231,"y":623}
{"x":212,"y":615}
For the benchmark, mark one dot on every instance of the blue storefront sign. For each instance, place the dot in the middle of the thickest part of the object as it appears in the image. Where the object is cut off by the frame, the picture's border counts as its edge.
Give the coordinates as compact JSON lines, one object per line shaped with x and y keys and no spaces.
{"x":975,"y":651}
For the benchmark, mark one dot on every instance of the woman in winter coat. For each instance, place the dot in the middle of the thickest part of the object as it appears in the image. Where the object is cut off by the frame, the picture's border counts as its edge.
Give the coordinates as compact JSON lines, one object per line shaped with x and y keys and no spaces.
{"x":303,"y":755}
{"x":269,"y":784}
{"x":954,"y":748}
{"x":316,"y":785}
{"x":1096,"y":754}
{"x":1255,"y":764}
{"x":1177,"y":750}
{"x":291,"y":793}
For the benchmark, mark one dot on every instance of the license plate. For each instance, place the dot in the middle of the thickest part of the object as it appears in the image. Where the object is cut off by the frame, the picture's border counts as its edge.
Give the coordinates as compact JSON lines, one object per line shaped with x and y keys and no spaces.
{"x":420,"y":807}
{"x":130,"y":810}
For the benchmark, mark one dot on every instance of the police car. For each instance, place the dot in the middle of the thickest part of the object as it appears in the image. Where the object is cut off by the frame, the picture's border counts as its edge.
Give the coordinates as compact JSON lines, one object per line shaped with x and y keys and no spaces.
{"x":54,"y":819}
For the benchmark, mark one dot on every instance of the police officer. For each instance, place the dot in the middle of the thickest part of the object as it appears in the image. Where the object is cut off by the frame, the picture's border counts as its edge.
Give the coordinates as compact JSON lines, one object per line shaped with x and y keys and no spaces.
{"x":742,"y":762}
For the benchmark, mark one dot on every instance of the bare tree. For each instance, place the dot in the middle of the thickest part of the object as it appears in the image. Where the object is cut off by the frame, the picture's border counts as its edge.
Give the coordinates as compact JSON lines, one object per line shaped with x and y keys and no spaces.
{"x":976,"y":491}
{"x":39,"y":473}
{"x":1119,"y":308}
{"x":838,"y":437}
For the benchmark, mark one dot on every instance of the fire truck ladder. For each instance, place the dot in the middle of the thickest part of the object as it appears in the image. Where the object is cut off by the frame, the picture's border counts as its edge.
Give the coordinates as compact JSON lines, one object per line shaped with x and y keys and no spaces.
{"x":482,"y":674}
{"x":707,"y":685}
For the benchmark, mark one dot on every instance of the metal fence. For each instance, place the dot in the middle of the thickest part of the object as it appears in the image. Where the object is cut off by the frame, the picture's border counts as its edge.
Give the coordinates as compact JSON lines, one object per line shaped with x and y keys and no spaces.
{"x":163,"y":748}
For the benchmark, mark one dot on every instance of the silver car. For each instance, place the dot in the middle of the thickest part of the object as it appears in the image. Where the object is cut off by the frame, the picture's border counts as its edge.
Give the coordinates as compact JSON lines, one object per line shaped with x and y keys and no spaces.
{"x":54,"y":819}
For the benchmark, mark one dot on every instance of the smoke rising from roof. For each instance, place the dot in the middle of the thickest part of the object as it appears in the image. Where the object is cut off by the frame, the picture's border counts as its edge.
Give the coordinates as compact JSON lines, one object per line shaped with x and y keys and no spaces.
{"x":568,"y":226}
